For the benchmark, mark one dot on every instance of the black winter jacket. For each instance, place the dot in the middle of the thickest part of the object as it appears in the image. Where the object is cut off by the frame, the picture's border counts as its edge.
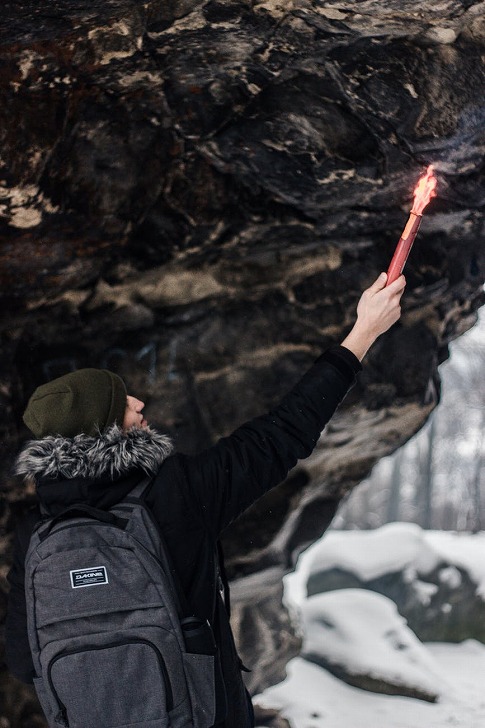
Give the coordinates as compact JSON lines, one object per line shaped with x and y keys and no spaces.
{"x":193,"y":498}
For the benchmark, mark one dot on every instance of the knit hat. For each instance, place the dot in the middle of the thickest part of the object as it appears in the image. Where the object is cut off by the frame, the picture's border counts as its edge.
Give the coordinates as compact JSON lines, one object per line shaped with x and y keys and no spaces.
{"x":83,"y":401}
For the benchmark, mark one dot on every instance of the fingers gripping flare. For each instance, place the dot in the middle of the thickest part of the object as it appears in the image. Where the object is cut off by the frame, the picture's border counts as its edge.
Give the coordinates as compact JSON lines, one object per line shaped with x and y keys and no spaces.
{"x":378,"y":309}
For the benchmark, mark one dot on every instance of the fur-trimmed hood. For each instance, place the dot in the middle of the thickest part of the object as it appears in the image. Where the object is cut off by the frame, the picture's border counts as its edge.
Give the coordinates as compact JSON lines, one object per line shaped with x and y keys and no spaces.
{"x":112,"y":453}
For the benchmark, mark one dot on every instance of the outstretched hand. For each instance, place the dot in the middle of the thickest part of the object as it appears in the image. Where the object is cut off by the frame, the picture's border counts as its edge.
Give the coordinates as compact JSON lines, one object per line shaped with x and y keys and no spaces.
{"x":378,"y":309}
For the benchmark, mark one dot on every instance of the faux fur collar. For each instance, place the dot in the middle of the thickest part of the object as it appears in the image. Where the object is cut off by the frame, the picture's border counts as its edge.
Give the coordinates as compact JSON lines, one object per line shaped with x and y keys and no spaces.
{"x":112,"y":453}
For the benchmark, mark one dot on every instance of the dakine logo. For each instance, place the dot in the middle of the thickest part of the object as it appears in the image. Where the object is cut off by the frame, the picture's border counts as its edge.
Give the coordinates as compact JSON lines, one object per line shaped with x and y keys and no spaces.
{"x":91,"y":576}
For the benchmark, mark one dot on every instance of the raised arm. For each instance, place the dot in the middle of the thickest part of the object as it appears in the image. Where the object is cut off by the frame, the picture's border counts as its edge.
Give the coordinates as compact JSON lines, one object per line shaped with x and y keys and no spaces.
{"x":228,"y":477}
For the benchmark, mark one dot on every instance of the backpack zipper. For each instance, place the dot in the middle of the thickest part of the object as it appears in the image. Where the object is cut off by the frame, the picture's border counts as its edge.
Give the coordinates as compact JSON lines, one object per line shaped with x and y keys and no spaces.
{"x":112,"y":525}
{"x":130,"y":536}
{"x":84,"y":523}
{"x":62,"y":718}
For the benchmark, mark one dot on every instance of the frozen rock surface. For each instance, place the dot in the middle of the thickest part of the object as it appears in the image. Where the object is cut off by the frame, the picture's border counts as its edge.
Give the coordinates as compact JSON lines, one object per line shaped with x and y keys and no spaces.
{"x":360,"y":637}
{"x":436,"y":579}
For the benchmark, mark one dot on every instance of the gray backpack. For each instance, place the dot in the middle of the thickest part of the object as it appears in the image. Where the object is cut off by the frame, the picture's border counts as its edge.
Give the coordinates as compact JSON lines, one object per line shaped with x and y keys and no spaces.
{"x":110,"y":642}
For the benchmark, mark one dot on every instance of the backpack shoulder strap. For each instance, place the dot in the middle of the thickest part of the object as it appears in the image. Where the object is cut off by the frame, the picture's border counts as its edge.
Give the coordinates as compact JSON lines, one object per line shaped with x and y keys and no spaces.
{"x":137,"y":496}
{"x":139,"y":490}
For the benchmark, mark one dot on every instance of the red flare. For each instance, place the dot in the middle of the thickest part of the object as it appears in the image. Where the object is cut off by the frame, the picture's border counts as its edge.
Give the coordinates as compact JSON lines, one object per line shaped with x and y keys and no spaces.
{"x":425,"y":190}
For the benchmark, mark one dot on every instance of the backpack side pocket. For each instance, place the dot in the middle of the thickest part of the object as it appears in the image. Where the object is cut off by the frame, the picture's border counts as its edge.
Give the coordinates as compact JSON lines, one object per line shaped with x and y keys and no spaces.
{"x":199,"y":672}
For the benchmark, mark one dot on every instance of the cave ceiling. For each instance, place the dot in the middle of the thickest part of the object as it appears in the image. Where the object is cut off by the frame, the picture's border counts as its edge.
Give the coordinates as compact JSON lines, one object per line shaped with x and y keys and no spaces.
{"x":194,"y":194}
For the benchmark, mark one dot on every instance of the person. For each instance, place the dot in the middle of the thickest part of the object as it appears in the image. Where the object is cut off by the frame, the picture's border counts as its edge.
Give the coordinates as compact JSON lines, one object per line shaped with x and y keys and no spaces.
{"x":93,"y":445}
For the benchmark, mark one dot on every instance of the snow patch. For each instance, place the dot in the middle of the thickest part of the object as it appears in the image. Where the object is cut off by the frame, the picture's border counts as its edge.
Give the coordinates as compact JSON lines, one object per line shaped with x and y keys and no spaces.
{"x":363,"y":632}
{"x":366,"y":631}
{"x":311,"y":697}
{"x":392,"y":548}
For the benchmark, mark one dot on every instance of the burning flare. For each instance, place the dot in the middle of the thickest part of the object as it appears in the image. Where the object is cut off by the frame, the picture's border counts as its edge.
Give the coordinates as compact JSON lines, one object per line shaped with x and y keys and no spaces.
{"x":425,"y":190}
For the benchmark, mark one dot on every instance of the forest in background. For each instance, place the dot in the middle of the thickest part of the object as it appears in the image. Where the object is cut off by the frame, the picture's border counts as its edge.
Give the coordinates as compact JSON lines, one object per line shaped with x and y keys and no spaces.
{"x":437,"y":479}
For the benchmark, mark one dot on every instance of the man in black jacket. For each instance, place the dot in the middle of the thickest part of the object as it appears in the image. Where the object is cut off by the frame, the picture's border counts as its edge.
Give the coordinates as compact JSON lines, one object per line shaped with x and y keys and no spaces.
{"x":93,"y":446}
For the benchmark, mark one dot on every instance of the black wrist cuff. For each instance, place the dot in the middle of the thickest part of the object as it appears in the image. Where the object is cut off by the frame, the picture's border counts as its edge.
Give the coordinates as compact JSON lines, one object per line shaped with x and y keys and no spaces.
{"x":344,"y":360}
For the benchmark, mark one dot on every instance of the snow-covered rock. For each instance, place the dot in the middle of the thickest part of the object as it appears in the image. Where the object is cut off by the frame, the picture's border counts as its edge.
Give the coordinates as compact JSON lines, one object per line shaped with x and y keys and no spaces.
{"x":311,"y":697}
{"x":360,"y":637}
{"x":436,"y":579}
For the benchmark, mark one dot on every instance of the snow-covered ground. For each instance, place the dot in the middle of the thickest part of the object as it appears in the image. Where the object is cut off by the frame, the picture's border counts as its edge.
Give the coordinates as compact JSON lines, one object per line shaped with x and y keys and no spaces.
{"x":312,"y":698}
{"x":363,"y":632}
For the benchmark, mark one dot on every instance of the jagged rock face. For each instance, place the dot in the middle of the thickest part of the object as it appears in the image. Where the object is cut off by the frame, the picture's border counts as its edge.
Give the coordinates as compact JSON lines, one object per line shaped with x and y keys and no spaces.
{"x":195,"y":193}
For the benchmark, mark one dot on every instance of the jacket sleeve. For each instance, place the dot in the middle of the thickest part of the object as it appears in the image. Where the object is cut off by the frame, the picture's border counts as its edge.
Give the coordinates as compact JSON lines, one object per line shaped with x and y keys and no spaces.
{"x":227,"y":478}
{"x":17,"y":650}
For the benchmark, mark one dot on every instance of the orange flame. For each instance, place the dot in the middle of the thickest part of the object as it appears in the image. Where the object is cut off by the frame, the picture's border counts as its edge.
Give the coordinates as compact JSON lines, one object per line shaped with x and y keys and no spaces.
{"x":425,"y":190}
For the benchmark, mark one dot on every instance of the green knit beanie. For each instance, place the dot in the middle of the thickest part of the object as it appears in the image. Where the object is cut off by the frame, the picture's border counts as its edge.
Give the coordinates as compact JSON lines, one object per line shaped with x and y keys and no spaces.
{"x":80,"y":402}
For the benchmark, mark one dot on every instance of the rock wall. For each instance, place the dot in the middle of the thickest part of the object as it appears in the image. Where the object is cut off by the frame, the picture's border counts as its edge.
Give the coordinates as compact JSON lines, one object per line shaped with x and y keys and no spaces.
{"x":194,"y":194}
